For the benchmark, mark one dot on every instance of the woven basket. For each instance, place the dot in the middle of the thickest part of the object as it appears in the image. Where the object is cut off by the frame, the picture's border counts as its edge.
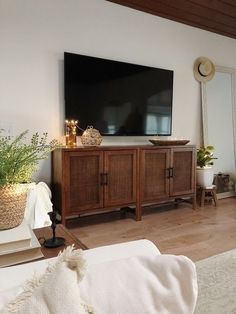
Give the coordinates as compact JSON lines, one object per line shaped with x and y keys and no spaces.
{"x":12,"y":205}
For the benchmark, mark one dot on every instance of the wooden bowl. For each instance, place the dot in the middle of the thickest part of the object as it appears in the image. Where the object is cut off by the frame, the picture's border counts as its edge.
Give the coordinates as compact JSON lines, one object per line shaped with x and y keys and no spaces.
{"x":168,"y":142}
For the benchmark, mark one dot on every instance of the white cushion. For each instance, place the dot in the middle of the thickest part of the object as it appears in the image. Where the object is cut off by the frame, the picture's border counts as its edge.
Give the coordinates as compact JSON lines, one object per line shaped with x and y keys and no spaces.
{"x":128,"y":276}
{"x":164,"y":284}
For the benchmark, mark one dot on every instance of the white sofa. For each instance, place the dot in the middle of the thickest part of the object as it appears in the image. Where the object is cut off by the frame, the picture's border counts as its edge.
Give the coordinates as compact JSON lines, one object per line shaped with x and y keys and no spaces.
{"x":126,"y":278}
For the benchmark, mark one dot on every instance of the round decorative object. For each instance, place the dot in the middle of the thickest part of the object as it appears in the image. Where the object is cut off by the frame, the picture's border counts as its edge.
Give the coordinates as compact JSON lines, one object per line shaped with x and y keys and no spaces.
{"x":13,"y":203}
{"x":91,"y":137}
{"x":203,"y":69}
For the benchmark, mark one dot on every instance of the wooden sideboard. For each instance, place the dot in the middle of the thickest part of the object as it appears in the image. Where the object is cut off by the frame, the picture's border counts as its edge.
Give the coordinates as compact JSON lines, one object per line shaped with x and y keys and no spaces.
{"x":93,"y":179}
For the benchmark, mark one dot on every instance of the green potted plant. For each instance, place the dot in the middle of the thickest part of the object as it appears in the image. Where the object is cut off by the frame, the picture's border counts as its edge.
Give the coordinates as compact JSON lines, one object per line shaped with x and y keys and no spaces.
{"x":19,"y":160}
{"x":205,"y":157}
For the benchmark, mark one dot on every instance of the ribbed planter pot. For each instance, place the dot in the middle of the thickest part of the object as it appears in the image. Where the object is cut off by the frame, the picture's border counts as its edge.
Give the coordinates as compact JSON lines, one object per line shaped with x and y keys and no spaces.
{"x":205,"y":176}
{"x":12,"y":204}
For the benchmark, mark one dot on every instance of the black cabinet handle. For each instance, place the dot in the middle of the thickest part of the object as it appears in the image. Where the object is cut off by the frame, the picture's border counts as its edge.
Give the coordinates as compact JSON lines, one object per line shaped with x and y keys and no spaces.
{"x":105,"y":176}
{"x":168,"y":172}
{"x":101,"y":178}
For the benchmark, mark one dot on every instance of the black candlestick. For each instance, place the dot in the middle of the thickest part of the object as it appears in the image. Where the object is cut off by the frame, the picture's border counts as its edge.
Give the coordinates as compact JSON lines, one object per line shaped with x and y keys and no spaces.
{"x":54,"y":241}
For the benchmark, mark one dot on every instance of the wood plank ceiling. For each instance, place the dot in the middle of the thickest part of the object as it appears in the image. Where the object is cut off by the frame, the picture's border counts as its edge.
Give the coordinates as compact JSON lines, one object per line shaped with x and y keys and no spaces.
{"x":217,"y":16}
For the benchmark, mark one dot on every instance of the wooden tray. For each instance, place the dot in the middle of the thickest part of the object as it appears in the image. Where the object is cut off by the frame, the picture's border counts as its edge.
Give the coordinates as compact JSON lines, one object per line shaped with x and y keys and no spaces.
{"x":168,"y":142}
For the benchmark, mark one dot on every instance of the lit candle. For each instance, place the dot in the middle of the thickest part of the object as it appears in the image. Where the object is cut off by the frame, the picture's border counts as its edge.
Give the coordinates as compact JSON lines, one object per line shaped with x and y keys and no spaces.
{"x":70,"y":132}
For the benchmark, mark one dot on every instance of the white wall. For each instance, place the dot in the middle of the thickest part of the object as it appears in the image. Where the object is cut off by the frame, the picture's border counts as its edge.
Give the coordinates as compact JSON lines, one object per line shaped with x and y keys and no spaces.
{"x":34,"y":35}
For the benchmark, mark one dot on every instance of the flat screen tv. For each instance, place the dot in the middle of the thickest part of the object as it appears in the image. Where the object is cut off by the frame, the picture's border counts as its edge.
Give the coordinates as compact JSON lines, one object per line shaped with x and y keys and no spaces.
{"x":118,"y":98}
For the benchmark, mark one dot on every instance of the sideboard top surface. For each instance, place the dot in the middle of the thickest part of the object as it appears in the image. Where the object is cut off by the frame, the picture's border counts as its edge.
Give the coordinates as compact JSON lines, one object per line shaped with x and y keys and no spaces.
{"x":121,"y":147}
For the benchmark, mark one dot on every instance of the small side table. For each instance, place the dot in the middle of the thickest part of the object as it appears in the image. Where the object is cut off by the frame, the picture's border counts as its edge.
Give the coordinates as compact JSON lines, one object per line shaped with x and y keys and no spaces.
{"x":207,"y":194}
{"x":61,"y":231}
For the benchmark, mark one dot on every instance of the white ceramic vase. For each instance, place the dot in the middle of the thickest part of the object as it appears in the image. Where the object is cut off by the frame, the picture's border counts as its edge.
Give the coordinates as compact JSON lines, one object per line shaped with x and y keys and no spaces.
{"x":205,"y":176}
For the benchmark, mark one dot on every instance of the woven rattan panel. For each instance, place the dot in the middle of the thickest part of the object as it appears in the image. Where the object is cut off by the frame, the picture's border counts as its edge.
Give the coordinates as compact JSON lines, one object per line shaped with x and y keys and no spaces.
{"x":84,"y":180}
{"x":155,"y":175}
{"x":182,"y":171}
{"x":120,"y":178}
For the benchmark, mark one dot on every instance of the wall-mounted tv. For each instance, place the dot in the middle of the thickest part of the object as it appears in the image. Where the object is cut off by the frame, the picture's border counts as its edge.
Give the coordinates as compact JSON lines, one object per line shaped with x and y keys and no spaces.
{"x":118,"y":98}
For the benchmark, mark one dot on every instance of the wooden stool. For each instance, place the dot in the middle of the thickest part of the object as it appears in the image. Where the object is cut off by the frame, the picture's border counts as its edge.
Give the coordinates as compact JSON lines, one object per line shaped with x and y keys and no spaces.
{"x":207,"y":194}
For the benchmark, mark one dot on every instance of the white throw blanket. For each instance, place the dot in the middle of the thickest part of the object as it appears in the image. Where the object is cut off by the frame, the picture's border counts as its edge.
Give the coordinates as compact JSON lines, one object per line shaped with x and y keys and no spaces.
{"x":56,"y":291}
{"x":38,"y":205}
{"x":161,"y":284}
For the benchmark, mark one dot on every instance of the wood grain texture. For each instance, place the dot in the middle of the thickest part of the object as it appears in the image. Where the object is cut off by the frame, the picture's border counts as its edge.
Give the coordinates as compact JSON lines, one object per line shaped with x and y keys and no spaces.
{"x":217,"y":16}
{"x":196,"y":234}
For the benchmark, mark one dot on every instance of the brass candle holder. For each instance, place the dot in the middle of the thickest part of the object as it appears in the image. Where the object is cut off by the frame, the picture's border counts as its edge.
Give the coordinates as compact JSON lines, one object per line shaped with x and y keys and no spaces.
{"x":70,"y":126}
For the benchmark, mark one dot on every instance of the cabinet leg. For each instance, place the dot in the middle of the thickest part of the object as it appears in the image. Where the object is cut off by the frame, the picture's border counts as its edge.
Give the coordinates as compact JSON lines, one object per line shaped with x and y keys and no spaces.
{"x":138,"y":212}
{"x":214,"y":196}
{"x":63,"y":220}
{"x":202,"y":198}
{"x":194,"y":200}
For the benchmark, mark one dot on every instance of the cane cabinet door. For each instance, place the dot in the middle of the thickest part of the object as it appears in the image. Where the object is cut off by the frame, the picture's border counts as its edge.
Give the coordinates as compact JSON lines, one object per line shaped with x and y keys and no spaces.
{"x":182,"y":174}
{"x":83,"y":186}
{"x":154,"y":174}
{"x":120,"y":177}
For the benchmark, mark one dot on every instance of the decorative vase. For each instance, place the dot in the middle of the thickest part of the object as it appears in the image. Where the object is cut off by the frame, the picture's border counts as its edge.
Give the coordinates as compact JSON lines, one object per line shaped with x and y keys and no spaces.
{"x":205,"y":176}
{"x":12,"y":206}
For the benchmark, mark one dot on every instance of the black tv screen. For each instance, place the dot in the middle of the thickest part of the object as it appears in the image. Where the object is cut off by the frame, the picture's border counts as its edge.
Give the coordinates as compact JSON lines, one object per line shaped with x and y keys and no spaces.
{"x":118,"y":98}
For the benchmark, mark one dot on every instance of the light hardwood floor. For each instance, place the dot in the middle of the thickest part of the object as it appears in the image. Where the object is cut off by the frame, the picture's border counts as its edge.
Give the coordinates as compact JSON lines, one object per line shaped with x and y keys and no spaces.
{"x":197,"y":234}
